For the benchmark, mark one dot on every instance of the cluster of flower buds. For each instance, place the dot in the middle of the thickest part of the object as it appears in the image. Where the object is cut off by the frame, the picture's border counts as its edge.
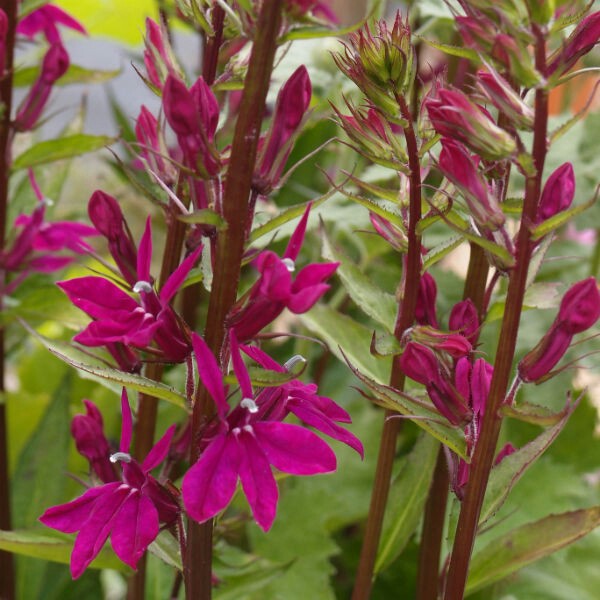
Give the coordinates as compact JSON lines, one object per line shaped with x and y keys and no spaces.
{"x":374,"y":136}
{"x":45,"y":20}
{"x":578,"y":311}
{"x":128,"y":506}
{"x":381,"y":64}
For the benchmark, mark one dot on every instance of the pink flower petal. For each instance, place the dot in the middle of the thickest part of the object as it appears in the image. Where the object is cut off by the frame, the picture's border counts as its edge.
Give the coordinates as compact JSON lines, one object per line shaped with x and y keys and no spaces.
{"x":294,"y":449}
{"x":126,"y":423}
{"x":176,"y":279}
{"x":134,"y":528}
{"x":159,"y":451}
{"x":144,"y":257}
{"x":210,"y":374}
{"x":210,"y":483}
{"x":257,"y":479}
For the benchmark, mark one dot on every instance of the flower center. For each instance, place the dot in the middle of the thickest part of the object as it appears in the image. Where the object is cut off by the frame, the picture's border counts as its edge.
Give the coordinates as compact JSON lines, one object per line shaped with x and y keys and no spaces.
{"x":292,"y":362}
{"x":290,"y":265}
{"x":249,"y":404}
{"x":142,"y":286}
{"x":120,"y":456}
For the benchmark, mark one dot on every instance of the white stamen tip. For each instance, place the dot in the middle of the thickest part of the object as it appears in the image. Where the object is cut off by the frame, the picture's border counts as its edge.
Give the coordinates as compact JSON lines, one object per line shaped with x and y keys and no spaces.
{"x":47,"y":201}
{"x":290,"y":265}
{"x":292,"y":362}
{"x":249,"y":404}
{"x":120,"y":456}
{"x":142,"y":286}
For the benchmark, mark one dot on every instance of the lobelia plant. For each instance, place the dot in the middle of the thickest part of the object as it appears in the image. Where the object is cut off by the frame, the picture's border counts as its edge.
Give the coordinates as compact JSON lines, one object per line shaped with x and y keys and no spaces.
{"x":196,"y":301}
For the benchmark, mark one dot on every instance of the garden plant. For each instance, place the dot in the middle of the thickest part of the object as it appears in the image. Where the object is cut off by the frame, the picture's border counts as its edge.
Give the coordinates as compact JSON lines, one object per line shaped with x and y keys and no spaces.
{"x":319,"y":320}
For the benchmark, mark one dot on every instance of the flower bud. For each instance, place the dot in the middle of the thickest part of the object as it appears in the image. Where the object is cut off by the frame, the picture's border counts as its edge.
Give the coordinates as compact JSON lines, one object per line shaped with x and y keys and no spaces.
{"x":505,"y":451}
{"x":541,"y":11}
{"x":449,"y":402}
{"x":558,"y":192}
{"x":481,"y":379}
{"x":514,"y":55}
{"x":498,"y":91}
{"x":158,"y":55}
{"x":454,"y":116}
{"x":453,"y":344}
{"x":419,"y":363}
{"x":458,"y":166}
{"x":291,"y":106}
{"x":54,"y":66}
{"x":584,"y":37}
{"x":392,"y":234}
{"x":549,"y":350}
{"x":425,"y":309}
{"x":580,"y":306}
{"x":464,"y":319}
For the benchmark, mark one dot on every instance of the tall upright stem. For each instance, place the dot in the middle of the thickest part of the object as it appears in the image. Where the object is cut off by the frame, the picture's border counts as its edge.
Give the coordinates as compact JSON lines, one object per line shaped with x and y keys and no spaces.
{"x":483,"y":456}
{"x":7,"y":577}
{"x":227,"y":263}
{"x":405,"y":318}
{"x":430,"y":550}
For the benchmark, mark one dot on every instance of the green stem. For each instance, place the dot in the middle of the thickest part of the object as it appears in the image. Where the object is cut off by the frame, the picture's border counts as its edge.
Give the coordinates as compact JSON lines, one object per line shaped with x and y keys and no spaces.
{"x":228,"y":259}
{"x":7,"y":576}
{"x":485,"y":449}
{"x":405,"y":318}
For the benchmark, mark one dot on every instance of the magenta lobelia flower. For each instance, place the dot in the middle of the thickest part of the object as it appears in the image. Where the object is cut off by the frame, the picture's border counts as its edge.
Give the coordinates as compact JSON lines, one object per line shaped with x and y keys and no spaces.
{"x":129,"y":510}
{"x":119,"y":318}
{"x":46,"y":20}
{"x":275,"y":289}
{"x":245,"y":442}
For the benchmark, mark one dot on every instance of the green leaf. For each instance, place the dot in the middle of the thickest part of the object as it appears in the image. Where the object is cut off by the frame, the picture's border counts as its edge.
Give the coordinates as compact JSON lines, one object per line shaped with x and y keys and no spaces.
{"x":84,"y":362}
{"x":407,"y":498}
{"x":75,"y":74}
{"x":372,"y":300}
{"x":440,"y":251}
{"x":373,"y":206}
{"x":340,"y":331}
{"x":59,"y":149}
{"x":166,"y":547}
{"x":285,"y":216}
{"x":558,"y":220}
{"x":451,"y":50}
{"x":264,"y":377}
{"x":504,"y":476}
{"x":535,"y":414}
{"x":388,"y":194}
{"x":528,"y":543}
{"x":33,"y":491}
{"x":425,"y":417}
{"x":54,"y":547}
{"x":205,"y":216}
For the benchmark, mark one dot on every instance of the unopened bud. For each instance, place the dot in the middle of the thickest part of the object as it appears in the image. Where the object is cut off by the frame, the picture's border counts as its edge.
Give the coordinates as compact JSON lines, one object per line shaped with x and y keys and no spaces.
{"x":464,"y":319}
{"x":425,"y":313}
{"x":419,"y":363}
{"x":580,"y":306}
{"x":558,"y":192}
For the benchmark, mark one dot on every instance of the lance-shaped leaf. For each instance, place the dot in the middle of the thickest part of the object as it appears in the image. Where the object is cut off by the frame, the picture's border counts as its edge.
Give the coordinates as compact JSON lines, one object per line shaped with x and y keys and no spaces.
{"x":54,"y":547}
{"x":528,"y":543}
{"x":59,"y":149}
{"x":341,"y":332}
{"x":505,"y":475}
{"x":204,"y":216}
{"x":287,"y":215}
{"x":381,"y":306}
{"x":75,"y":74}
{"x":407,"y":498}
{"x":558,"y":220}
{"x":422,"y":413}
{"x":105,"y":374}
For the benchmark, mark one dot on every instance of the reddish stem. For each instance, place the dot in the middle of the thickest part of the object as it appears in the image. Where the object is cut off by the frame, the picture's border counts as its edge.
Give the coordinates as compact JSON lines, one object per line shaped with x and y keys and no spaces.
{"x":7,"y":577}
{"x":405,"y":318}
{"x":485,"y":449}
{"x":228,"y":259}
